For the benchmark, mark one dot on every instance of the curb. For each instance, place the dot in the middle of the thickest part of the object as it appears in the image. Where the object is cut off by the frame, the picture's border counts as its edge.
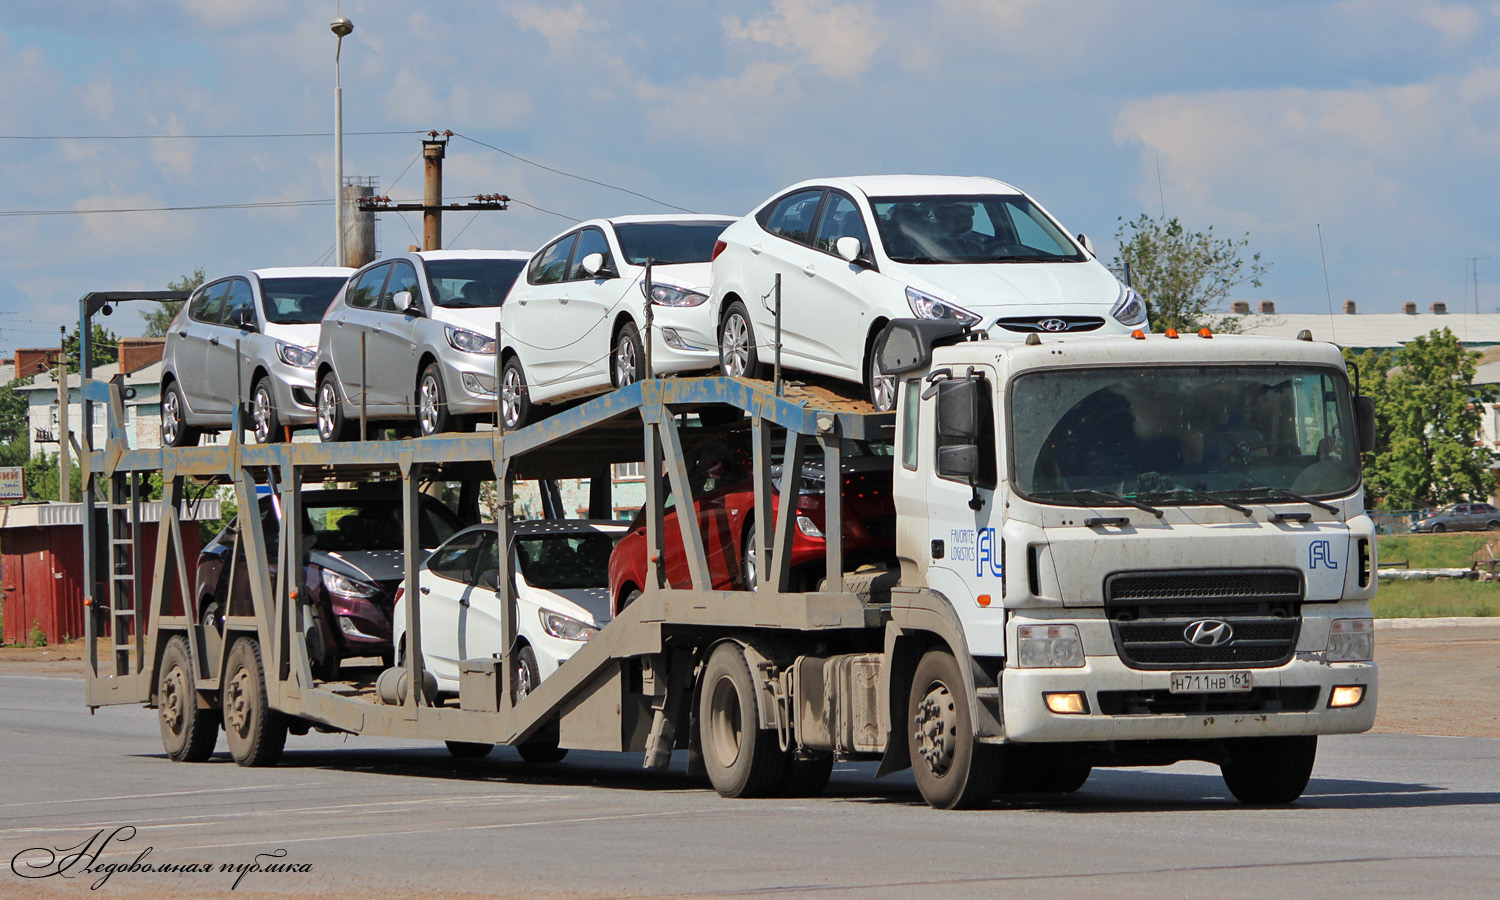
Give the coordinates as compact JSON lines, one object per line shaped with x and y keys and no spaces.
{"x":1438,"y":622}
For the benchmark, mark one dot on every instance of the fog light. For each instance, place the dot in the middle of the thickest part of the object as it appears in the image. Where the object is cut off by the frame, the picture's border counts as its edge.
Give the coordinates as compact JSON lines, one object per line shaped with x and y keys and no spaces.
{"x":675,"y":340}
{"x":347,"y":626}
{"x":1346,"y":695}
{"x":1351,"y":640}
{"x":1049,"y":647}
{"x":808,"y":527}
{"x":1070,"y":703}
{"x":474,"y":385}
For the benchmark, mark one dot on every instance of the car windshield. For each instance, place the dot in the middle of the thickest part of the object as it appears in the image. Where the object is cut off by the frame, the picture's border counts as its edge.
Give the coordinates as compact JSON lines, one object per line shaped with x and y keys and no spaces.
{"x":471,"y":283}
{"x":666,"y":243}
{"x":983,"y":228}
{"x":563,"y":561}
{"x":353,"y":523}
{"x":1089,"y":437}
{"x":298,"y":301}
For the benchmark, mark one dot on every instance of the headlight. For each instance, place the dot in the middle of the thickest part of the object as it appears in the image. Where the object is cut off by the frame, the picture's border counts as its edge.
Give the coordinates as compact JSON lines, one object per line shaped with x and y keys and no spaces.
{"x":569,"y":629}
{"x":1049,"y":647}
{"x":667,"y":295}
{"x":292,"y":355}
{"x":1130,"y":309}
{"x":926,"y":306}
{"x":468,"y":341}
{"x":1351,"y":640}
{"x":344,"y":586}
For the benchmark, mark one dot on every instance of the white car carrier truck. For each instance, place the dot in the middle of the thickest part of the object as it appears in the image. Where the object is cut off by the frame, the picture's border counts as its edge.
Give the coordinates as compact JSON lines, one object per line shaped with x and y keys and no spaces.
{"x":1112,"y":551}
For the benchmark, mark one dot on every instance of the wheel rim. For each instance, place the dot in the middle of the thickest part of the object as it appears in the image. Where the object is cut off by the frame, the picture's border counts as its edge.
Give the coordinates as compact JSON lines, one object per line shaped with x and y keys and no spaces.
{"x":173,"y":699}
{"x":625,"y":362}
{"x":262,"y":413}
{"x":752,"y":573}
{"x":523,"y":680}
{"x":171,"y":414}
{"x":428,"y":404}
{"x":724,"y":721}
{"x":736,"y":346}
{"x":326,"y":402}
{"x":937,"y":729}
{"x":511,"y":391}
{"x":882,"y":389}
{"x":237,"y":703}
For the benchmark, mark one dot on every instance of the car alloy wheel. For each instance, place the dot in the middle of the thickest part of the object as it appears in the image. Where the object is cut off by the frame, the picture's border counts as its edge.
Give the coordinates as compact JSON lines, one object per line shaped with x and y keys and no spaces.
{"x":512,"y":396}
{"x":736,"y":345}
{"x":627,"y":364}
{"x":171,"y":419}
{"x":327,"y":411}
{"x":262,"y":412}
{"x":882,"y":388}
{"x":428,"y":399}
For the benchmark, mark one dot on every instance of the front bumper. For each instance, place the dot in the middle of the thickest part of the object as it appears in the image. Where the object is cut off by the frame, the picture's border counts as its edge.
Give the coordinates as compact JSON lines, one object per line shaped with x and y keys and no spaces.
{"x":1027,"y":717}
{"x":685,"y":339}
{"x":295,"y":391}
{"x":469,"y":381}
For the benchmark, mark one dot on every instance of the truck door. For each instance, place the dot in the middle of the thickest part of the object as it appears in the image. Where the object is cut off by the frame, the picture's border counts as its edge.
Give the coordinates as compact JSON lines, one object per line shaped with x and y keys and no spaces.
{"x":959,"y":421}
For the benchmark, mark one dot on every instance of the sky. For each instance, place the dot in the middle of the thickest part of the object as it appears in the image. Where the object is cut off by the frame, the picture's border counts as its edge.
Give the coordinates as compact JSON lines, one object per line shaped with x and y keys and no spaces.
{"x":1363,"y":132}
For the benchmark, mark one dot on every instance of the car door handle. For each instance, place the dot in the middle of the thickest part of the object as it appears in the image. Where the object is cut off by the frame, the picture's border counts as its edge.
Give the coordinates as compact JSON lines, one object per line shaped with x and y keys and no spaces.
{"x":214,"y":341}
{"x":379,"y":327}
{"x":182,"y":334}
{"x":755,"y":248}
{"x":810,"y":270}
{"x":425,"y":590}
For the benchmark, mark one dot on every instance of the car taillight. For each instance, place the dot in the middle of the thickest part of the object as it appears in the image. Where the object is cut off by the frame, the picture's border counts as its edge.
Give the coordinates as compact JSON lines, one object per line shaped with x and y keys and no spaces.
{"x":718,"y":248}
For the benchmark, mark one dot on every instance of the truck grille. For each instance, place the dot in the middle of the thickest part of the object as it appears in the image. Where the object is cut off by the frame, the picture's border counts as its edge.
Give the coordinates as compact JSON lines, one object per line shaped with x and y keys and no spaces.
{"x":1152,"y":614}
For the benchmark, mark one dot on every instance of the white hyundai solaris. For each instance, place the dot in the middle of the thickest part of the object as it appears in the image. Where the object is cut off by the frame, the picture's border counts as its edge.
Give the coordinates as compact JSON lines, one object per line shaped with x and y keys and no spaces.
{"x":853,"y":253}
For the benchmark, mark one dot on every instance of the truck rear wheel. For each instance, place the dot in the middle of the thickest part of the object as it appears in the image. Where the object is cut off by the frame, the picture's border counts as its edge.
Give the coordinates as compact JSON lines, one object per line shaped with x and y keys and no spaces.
{"x":952,"y":769}
{"x":742,"y":759}
{"x":188,"y":731}
{"x":1269,"y":770}
{"x":256,"y":732}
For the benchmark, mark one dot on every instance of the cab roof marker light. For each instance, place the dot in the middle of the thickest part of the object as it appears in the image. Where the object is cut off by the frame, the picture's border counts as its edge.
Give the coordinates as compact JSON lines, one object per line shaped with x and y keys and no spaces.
{"x":1172,"y":333}
{"x":1205,"y":333}
{"x":1138,"y":334}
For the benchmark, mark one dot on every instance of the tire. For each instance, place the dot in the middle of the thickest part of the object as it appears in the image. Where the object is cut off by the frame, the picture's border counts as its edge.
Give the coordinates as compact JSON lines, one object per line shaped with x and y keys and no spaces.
{"x":332,"y":426}
{"x":627,"y":362}
{"x":1492,"y":525}
{"x":806,"y":777}
{"x":749,"y":559}
{"x":175,"y":431}
{"x":188,"y":731}
{"x":952,"y":769}
{"x":432,"y":403}
{"x":540,"y":749}
{"x":1439,"y":528}
{"x":738,"y":355}
{"x":515,"y":398}
{"x":468,"y":750}
{"x":1271,"y":770}
{"x":742,"y":759}
{"x":630,"y":597}
{"x":256,"y":732}
{"x":882,"y":388}
{"x":265,"y":421}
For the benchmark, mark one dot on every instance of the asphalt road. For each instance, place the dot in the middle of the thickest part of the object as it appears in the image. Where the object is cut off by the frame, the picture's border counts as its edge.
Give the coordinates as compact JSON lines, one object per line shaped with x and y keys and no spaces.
{"x":1386,"y":815}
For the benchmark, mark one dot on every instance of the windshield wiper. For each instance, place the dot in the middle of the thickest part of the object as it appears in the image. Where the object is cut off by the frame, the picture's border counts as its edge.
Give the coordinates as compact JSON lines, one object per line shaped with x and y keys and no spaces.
{"x":1090,"y":492}
{"x":1201,"y":495}
{"x":1283,"y":492}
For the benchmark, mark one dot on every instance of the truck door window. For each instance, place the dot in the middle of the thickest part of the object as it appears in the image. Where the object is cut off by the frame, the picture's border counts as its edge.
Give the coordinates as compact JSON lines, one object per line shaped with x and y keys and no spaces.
{"x":911,"y":406}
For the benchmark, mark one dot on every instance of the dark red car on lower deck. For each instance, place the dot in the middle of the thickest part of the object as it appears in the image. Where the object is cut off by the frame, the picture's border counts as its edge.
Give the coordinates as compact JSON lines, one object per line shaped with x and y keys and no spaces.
{"x":720,"y":473}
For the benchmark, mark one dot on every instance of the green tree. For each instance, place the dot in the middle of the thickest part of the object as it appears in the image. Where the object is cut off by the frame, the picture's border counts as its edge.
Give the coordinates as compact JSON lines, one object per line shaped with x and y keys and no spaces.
{"x":1428,"y":419}
{"x":159,"y":316}
{"x":15,"y":423}
{"x":1185,"y":275}
{"x":104,"y":349}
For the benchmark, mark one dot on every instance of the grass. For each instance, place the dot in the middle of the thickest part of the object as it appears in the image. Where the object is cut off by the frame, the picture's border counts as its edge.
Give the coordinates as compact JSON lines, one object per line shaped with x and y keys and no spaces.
{"x":1436,"y":551}
{"x":1443,"y":597}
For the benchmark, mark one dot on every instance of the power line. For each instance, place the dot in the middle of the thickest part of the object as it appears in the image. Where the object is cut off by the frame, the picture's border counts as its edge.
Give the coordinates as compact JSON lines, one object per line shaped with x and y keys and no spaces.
{"x":547,"y":211}
{"x":614,"y":187}
{"x":270,"y":204}
{"x":185,"y":137}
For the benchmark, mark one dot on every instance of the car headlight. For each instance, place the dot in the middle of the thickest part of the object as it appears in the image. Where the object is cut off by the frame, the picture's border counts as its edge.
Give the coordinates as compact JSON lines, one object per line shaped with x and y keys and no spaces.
{"x":1049,"y":647}
{"x":292,"y":355}
{"x":468,"y":341}
{"x":1130,"y":309}
{"x":926,"y":306}
{"x":566,"y":627}
{"x":1351,"y":640}
{"x":344,"y":586}
{"x":667,"y":295}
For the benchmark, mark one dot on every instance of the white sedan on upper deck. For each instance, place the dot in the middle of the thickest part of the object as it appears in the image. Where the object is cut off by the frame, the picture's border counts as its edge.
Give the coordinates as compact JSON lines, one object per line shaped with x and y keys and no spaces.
{"x":854,"y":253}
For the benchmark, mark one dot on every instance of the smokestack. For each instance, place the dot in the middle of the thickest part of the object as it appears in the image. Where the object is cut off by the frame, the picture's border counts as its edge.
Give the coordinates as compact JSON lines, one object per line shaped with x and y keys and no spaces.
{"x":1267,"y":308}
{"x":1240,"y":307}
{"x":1348,"y":307}
{"x":1409,"y":308}
{"x":359,"y":225}
{"x":1439,"y":308}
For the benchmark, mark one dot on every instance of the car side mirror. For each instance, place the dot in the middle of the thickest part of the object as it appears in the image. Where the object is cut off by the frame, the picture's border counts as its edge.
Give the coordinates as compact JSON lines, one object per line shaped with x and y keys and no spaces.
{"x":594,"y":265}
{"x":490,"y":579}
{"x":407,"y":302}
{"x":850,"y":248}
{"x":1087,"y":244}
{"x":244,"y":319}
{"x":1364,"y":423}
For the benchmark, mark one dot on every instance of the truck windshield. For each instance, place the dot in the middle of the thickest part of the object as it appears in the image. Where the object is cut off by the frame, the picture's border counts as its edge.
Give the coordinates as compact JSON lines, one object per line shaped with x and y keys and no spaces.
{"x":1089,"y":437}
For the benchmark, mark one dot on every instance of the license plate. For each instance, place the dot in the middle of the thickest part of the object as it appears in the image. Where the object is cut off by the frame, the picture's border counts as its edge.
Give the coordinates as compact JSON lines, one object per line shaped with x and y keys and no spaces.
{"x":1209,"y":682}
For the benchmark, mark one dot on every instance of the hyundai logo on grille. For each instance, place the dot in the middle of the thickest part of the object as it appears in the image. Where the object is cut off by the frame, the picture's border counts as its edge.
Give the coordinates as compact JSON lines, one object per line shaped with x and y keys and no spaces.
{"x":1208,"y":633}
{"x":1052,"y":325}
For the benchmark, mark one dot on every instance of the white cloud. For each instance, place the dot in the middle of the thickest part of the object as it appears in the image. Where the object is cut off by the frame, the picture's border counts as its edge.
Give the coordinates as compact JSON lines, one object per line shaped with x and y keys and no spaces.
{"x":724,"y":111}
{"x":1454,"y":22}
{"x":236,"y":13}
{"x":839,"y":39}
{"x":562,"y":26}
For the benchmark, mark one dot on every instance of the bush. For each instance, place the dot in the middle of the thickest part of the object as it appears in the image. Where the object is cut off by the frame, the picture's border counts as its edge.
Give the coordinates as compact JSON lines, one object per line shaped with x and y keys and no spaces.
{"x":38,"y":637}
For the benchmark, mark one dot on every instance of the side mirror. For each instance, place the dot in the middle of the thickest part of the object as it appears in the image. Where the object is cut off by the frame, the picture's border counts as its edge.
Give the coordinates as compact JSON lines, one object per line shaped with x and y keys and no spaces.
{"x":1087,"y":244}
{"x":244,"y":319}
{"x":958,"y":412}
{"x":594,"y":265}
{"x":407,"y":302}
{"x":1364,"y":423}
{"x":850,"y":248}
{"x":490,"y":580}
{"x":958,"y":461}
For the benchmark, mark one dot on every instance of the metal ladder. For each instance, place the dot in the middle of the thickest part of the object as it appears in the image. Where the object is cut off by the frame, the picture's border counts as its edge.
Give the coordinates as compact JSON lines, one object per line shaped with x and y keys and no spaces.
{"x":126,"y":613}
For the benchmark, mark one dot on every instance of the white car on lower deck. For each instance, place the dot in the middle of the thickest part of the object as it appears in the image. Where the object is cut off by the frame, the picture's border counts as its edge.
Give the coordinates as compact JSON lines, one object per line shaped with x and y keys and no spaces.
{"x":854,"y":253}
{"x":562,"y":597}
{"x":575,"y":324}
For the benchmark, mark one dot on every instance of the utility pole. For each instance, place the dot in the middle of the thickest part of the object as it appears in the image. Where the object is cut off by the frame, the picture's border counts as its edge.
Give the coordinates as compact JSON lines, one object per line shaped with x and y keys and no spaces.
{"x":341,"y":28}
{"x":64,"y":459}
{"x":434,"y":149}
{"x":1473,"y":262}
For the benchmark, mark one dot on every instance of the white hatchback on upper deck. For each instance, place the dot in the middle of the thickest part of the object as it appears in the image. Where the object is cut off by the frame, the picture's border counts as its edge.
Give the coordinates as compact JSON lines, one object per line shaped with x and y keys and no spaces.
{"x":854,"y":253}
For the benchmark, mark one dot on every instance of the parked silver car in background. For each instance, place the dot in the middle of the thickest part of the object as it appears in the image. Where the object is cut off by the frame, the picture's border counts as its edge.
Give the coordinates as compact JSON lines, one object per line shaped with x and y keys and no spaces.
{"x":267,"y":320}
{"x":1459,"y":517}
{"x":412,"y":339}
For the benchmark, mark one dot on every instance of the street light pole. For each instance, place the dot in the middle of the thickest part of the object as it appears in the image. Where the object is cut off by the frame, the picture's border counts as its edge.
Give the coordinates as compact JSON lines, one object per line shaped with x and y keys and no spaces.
{"x":341,"y":28}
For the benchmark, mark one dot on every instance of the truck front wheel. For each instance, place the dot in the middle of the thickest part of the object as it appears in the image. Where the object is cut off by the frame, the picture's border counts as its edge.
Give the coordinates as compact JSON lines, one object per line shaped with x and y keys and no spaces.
{"x":742,"y":759}
{"x":1269,"y":770}
{"x":952,"y":769}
